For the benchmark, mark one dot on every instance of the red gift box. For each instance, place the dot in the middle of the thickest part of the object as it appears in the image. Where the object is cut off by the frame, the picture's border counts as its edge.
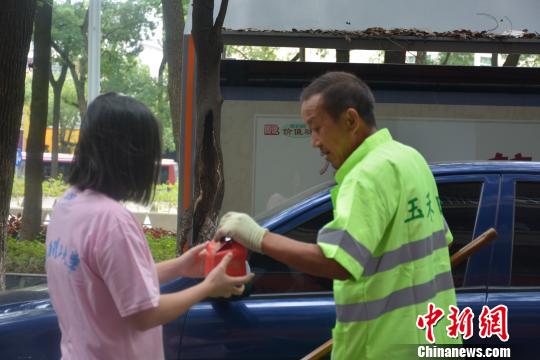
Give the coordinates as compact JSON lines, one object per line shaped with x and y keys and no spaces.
{"x":216,"y":251}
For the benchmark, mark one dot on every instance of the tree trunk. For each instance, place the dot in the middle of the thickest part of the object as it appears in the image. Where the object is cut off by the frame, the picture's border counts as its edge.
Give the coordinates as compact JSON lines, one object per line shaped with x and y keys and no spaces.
{"x":31,"y":219}
{"x":209,"y":178}
{"x":80,"y":82}
{"x":62,"y":137}
{"x":57,"y":86}
{"x":446,"y":58}
{"x":494,"y":59}
{"x":16,"y":20}
{"x":79,"y":78}
{"x":394,"y":57}
{"x":421,"y":57}
{"x":173,"y":24}
{"x":300,"y":55}
{"x":512,"y":60}
{"x":69,"y":144}
{"x":342,"y":55}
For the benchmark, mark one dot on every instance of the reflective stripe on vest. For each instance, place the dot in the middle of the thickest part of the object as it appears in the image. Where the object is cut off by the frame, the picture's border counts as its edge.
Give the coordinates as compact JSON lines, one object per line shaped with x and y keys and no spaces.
{"x":373,"y":264}
{"x":417,"y":294}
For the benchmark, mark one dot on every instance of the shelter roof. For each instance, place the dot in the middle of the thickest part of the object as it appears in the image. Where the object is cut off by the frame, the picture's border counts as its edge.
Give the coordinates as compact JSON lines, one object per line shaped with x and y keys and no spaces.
{"x":377,"y":38}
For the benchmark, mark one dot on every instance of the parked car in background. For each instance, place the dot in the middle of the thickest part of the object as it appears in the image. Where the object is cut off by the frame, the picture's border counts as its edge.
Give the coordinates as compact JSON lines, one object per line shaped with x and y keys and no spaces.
{"x":288,"y":313}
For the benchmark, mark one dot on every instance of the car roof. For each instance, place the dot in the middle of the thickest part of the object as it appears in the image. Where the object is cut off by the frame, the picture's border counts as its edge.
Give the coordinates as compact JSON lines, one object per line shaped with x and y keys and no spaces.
{"x":319,"y":194}
{"x":483,"y":167}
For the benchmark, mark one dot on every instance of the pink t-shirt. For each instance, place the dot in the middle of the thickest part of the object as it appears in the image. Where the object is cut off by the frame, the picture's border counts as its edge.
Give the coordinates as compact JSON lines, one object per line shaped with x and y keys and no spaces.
{"x":100,"y":270}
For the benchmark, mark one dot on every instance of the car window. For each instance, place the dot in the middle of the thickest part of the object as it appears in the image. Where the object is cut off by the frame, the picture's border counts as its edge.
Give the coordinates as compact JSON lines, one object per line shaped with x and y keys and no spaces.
{"x":460,"y":202}
{"x":293,"y":201}
{"x":272,"y":277}
{"x":526,"y":249}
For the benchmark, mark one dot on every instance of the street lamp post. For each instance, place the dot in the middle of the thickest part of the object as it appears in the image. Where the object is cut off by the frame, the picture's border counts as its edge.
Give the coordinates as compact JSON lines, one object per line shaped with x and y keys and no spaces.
{"x":94,"y":48}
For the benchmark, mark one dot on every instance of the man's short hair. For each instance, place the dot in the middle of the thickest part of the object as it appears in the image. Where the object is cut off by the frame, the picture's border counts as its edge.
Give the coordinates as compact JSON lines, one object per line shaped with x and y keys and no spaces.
{"x":340,"y":91}
{"x":119,"y":149}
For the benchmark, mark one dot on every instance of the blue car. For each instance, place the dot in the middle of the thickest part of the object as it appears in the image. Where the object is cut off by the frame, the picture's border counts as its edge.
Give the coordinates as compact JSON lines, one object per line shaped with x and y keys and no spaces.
{"x":287,"y":313}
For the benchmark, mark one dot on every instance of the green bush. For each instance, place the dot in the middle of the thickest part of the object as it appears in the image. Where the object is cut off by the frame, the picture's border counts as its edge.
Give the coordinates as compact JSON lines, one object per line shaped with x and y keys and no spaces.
{"x":51,"y":187}
{"x":18,"y":187}
{"x":29,"y":256}
{"x":25,"y":256}
{"x":167,"y":193}
{"x":162,"y":248}
{"x":54,"y":187}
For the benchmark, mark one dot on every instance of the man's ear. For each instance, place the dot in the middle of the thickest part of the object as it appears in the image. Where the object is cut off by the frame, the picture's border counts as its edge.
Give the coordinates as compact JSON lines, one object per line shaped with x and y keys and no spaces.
{"x":356,"y":124}
{"x":353,"y":120}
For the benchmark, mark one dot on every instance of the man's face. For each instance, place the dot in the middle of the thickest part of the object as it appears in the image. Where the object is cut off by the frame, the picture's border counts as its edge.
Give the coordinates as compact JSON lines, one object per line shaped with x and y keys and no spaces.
{"x":334,"y":137}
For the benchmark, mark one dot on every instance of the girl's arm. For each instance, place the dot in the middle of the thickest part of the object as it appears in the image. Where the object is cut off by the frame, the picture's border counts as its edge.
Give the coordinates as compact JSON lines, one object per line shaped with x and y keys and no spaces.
{"x":216,"y":284}
{"x":190,"y":264}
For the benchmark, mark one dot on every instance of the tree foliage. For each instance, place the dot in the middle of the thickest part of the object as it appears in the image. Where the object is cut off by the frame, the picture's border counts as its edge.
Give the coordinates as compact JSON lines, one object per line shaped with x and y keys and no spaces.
{"x":251,"y":52}
{"x":529,"y":60}
{"x":125,"y":26}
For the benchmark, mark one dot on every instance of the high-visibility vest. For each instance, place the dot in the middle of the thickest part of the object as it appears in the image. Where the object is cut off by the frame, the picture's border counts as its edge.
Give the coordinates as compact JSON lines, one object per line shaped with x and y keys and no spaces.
{"x":388,"y":231}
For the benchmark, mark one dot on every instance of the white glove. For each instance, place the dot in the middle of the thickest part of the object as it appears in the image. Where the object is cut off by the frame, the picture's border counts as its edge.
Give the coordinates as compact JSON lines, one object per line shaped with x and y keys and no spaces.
{"x":242,"y":229}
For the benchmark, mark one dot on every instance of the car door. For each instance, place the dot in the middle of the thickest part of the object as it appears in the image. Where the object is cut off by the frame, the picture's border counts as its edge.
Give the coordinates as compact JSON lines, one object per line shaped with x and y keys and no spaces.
{"x":515,"y":281}
{"x":287,"y":315}
{"x":469,"y":205}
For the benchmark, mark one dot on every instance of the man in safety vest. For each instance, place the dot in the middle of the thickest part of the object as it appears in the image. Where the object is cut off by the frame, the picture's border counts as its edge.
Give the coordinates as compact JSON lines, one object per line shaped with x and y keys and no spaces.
{"x":387,"y":246}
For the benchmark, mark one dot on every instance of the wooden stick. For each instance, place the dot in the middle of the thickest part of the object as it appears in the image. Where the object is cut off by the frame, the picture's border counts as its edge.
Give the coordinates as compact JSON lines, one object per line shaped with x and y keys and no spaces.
{"x":456,"y":259}
{"x":472,"y":247}
{"x":319,"y":352}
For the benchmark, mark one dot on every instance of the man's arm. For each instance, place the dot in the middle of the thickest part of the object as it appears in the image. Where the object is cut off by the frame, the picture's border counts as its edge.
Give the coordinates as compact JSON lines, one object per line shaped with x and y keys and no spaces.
{"x":305,"y":257}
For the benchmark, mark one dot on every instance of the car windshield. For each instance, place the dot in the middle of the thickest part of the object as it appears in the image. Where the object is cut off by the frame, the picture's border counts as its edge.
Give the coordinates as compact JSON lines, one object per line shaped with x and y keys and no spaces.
{"x":293,"y":200}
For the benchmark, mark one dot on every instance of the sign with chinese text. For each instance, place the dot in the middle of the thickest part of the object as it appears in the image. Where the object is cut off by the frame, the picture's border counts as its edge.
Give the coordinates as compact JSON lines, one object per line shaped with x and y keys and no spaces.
{"x":285,"y":162}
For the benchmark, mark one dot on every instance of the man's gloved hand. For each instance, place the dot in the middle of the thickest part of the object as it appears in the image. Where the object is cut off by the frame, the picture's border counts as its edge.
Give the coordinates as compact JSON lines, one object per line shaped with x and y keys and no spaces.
{"x":242,"y":229}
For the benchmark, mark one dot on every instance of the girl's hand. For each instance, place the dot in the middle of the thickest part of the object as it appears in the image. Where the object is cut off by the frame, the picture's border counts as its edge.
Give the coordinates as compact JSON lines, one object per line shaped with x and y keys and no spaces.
{"x":191,"y":262}
{"x":219,"y":284}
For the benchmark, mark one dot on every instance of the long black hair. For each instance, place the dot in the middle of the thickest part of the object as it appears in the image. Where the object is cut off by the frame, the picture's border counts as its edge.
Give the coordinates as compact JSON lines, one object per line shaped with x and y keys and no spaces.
{"x":119,"y":149}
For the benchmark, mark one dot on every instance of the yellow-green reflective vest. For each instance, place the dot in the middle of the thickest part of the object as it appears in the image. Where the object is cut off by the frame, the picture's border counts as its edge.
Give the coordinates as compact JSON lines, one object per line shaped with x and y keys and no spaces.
{"x":389,"y":233}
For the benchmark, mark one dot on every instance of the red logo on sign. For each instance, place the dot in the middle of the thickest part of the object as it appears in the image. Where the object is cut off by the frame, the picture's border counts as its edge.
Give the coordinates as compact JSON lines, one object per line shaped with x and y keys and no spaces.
{"x":271,"y":129}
